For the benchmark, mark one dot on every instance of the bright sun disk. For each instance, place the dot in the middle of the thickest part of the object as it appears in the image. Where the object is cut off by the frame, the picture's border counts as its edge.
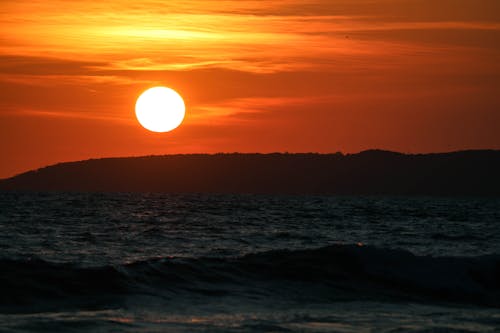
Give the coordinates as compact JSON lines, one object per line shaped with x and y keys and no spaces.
{"x":160,"y":109}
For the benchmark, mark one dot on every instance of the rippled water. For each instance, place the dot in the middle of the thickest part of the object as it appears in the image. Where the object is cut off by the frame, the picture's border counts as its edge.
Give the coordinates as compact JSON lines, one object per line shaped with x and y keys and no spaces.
{"x":150,"y":262}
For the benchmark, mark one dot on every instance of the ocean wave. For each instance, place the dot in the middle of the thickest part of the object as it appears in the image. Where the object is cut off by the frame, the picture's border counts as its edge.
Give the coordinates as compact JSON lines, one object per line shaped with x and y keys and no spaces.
{"x":456,"y":237}
{"x":327,"y":274}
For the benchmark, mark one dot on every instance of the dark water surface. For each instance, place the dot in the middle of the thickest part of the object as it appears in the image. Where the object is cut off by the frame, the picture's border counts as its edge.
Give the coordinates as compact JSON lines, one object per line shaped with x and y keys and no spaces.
{"x":243,"y":263}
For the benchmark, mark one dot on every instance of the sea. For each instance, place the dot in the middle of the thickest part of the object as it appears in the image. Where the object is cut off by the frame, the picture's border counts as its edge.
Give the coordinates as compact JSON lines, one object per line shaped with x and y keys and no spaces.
{"x":125,"y":262}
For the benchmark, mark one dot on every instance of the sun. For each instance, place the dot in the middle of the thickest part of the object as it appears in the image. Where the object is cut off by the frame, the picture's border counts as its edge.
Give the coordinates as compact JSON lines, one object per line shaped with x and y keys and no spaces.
{"x":160,"y":109}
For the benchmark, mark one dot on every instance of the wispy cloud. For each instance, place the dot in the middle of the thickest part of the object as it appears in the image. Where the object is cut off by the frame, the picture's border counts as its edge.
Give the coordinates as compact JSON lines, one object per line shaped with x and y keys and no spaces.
{"x":252,"y":36}
{"x":71,"y":114}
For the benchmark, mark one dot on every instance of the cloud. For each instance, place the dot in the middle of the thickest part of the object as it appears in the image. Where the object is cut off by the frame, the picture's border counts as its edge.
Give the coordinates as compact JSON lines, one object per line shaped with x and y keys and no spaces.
{"x":68,"y":114}
{"x":253,"y":36}
{"x":21,"y":64}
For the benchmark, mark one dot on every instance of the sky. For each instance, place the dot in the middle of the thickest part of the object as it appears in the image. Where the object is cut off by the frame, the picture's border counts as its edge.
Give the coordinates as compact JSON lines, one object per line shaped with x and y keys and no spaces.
{"x":414,"y":76}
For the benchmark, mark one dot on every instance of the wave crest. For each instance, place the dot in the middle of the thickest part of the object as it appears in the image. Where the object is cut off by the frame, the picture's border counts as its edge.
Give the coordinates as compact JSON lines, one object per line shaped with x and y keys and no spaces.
{"x":327,"y":274}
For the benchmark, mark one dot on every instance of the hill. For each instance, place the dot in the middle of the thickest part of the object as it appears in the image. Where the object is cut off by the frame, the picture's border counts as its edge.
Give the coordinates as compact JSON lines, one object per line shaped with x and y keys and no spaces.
{"x":369,"y":172}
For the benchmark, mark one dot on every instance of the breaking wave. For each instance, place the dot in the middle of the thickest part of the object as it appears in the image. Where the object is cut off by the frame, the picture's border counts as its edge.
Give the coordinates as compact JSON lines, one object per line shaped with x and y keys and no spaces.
{"x":327,"y":274}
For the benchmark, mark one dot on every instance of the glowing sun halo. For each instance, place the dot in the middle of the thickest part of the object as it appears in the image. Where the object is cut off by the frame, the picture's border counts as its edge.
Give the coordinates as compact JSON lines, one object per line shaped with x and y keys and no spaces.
{"x":160,"y":109}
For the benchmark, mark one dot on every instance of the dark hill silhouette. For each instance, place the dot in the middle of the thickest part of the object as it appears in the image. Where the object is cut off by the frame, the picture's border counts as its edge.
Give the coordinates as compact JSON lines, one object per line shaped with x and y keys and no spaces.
{"x":368,"y":172}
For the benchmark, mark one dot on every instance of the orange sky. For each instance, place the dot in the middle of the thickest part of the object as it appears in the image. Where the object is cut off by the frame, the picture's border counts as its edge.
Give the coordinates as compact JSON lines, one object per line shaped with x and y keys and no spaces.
{"x":257,"y":76}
